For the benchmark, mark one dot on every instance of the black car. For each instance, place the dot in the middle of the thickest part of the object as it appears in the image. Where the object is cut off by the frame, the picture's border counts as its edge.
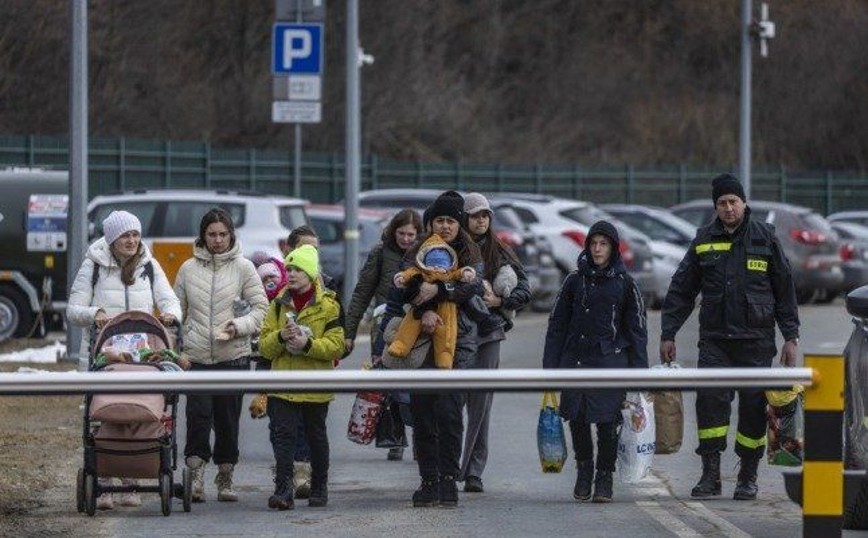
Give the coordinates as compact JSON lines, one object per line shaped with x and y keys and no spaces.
{"x":809,"y":242}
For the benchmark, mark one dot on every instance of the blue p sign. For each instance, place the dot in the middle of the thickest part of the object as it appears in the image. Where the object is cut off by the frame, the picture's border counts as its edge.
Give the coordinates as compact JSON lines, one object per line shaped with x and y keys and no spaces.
{"x":297,"y":49}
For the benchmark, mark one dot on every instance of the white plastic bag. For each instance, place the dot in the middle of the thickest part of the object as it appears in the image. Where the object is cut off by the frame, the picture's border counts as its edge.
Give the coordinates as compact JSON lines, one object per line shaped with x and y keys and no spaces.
{"x":636,"y":442}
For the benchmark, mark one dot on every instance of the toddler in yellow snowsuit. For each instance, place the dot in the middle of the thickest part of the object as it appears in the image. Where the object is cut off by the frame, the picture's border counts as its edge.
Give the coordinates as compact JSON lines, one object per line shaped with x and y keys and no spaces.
{"x":435,"y":262}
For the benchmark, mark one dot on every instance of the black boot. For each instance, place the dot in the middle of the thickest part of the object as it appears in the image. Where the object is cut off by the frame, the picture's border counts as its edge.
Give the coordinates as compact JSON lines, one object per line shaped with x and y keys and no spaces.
{"x":745,"y":486}
{"x":709,"y":482}
{"x":448,"y":491}
{"x":427,"y":494}
{"x":319,"y":493}
{"x":584,"y":478}
{"x":282,"y":498}
{"x":603,"y":487}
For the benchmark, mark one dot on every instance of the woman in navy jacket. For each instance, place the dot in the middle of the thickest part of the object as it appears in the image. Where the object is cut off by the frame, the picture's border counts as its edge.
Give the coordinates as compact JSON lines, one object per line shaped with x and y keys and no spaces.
{"x":598,"y":321}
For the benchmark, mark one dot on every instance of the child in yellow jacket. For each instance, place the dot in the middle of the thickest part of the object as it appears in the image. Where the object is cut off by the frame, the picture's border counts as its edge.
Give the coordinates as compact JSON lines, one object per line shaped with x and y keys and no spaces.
{"x":301,"y":331}
{"x":435,"y":262}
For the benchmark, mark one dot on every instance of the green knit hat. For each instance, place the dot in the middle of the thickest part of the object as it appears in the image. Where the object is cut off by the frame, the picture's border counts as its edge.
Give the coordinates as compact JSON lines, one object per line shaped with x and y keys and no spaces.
{"x":305,"y":258}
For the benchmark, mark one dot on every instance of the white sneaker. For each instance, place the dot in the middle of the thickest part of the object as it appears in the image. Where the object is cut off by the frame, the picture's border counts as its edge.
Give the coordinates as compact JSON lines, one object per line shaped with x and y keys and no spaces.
{"x":130,"y":499}
{"x":105,"y":502}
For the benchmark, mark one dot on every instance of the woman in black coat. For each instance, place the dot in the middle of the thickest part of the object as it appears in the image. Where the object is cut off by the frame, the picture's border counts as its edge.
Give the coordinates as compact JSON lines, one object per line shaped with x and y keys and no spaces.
{"x":598,"y":321}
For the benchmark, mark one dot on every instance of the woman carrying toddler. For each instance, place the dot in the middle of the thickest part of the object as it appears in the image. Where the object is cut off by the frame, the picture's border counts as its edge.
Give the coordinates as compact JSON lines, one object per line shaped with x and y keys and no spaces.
{"x":437,"y":416}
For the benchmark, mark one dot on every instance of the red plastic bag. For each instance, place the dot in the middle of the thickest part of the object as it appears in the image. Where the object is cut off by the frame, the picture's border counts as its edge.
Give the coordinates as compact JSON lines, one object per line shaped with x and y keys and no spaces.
{"x":362,"y":427}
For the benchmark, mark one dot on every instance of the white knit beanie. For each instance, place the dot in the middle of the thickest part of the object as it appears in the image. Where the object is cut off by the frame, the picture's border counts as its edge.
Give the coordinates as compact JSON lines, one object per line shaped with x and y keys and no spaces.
{"x":118,"y":223}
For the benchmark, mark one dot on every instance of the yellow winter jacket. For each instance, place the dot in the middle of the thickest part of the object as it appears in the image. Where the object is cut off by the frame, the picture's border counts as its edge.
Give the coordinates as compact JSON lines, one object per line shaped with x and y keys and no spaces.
{"x":326,"y":344}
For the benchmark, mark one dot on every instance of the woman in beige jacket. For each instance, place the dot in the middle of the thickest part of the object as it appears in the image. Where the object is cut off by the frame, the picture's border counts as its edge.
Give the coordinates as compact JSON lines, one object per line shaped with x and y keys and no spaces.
{"x":224,"y":303}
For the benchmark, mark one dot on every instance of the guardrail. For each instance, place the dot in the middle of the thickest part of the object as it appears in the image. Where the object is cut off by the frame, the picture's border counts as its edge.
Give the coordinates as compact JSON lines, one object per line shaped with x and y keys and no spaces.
{"x":823,"y":483}
{"x":391,"y":380}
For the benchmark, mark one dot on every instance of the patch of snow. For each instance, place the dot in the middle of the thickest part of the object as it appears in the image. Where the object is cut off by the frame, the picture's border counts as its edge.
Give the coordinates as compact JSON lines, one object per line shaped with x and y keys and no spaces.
{"x":47,"y":354}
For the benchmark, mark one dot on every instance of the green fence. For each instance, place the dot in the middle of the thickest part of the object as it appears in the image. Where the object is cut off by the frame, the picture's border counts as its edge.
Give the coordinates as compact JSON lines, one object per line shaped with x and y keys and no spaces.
{"x":121,"y":164}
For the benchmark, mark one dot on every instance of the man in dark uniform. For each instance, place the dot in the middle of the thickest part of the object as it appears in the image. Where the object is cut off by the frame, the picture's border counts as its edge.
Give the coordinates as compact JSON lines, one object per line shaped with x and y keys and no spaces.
{"x":746,"y":283}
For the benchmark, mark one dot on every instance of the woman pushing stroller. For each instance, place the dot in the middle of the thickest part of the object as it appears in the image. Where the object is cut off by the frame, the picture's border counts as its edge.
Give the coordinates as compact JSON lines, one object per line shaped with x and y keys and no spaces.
{"x":119,"y":275}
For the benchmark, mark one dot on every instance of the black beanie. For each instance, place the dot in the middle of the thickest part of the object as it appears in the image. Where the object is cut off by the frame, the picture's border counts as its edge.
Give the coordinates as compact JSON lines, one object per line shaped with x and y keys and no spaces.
{"x":726,"y":184}
{"x":448,"y":204}
{"x":606,"y":228}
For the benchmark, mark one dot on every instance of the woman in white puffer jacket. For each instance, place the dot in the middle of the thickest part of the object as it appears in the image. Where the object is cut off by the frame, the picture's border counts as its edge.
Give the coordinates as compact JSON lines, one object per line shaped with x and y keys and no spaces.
{"x":224,"y":304}
{"x":117,"y":275}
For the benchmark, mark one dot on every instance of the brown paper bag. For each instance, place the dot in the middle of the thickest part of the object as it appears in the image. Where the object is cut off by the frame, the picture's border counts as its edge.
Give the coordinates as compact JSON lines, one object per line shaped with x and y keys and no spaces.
{"x":668,"y":419}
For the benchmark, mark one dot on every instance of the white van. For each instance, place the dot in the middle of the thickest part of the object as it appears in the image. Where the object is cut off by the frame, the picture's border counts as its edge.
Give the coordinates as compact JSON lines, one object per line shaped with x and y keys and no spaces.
{"x":170,"y":219}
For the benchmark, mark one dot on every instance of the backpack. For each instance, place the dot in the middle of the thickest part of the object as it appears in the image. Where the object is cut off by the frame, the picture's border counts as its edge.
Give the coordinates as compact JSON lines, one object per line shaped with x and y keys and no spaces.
{"x":148,"y":272}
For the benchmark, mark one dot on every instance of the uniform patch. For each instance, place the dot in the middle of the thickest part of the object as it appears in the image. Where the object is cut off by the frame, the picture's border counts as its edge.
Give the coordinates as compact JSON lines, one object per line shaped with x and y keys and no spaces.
{"x":713,"y":247}
{"x":757,"y":265}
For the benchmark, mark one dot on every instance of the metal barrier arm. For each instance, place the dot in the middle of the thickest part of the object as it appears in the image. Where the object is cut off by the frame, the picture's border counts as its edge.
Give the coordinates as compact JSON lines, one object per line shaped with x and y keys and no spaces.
{"x":509,"y":380}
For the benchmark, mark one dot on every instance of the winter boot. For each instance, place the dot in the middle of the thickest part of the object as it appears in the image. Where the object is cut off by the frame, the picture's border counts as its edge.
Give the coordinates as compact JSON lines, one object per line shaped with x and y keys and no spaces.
{"x":301,"y":479}
{"x":745,"y":486}
{"x":196,"y":466}
{"x":427,"y":495}
{"x":395,"y":454}
{"x":282,"y":498}
{"x":448,"y":491}
{"x":603,"y":487}
{"x":223,"y":480}
{"x":585,"y":475}
{"x":319,"y":493}
{"x":709,"y":482}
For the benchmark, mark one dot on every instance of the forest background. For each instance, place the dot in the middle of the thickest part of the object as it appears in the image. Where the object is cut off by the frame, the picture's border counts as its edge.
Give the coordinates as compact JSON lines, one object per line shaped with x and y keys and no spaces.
{"x":596,"y":82}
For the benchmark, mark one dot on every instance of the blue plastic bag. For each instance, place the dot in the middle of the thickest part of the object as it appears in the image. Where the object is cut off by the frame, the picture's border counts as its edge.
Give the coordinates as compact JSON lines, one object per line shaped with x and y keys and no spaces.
{"x":550,"y":438}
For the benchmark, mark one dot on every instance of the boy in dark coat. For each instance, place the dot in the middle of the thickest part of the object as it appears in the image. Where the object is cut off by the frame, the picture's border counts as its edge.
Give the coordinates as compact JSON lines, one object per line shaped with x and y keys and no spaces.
{"x":598,"y":321}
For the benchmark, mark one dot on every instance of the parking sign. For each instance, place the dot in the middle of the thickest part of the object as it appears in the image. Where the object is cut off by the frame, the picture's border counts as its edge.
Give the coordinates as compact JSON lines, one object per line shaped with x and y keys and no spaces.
{"x":297,"y":49}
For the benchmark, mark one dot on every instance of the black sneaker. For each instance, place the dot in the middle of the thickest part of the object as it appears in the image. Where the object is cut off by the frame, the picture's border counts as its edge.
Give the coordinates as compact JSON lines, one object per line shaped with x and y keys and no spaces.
{"x":426,"y":495}
{"x":448,"y":490}
{"x":473,"y":484}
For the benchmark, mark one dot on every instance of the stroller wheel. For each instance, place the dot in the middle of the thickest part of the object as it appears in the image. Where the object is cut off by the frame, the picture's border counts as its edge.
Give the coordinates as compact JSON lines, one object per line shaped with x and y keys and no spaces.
{"x":187,"y":487}
{"x":166,"y":493}
{"x":89,"y":493}
{"x":79,"y":491}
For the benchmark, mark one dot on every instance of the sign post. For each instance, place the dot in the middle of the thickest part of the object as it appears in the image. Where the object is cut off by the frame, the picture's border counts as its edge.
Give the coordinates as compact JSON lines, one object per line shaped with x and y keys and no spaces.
{"x":297,"y":65}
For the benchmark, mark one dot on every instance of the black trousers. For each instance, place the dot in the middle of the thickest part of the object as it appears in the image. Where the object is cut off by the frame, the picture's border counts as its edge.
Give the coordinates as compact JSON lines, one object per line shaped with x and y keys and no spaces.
{"x":220,"y":412}
{"x":713,"y":406}
{"x":607,"y":443}
{"x":437,"y":433}
{"x":283,"y":426}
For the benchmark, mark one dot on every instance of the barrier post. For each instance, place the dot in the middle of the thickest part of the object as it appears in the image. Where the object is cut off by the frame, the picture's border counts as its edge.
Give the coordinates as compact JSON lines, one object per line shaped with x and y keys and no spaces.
{"x":823,"y":469}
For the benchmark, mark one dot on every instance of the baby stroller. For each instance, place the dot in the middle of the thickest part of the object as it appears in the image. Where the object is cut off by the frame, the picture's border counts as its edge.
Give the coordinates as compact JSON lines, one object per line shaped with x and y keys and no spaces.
{"x":131,"y":435}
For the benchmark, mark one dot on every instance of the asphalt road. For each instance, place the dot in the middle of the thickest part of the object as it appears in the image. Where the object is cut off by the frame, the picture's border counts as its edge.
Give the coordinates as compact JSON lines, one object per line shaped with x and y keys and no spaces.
{"x":370,"y":496}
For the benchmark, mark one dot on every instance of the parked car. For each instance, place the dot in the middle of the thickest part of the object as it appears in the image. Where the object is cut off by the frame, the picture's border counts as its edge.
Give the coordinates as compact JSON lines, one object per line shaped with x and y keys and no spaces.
{"x":655,"y":222}
{"x":667,"y":257}
{"x":170,"y":219}
{"x":855,"y":216}
{"x":534,"y":252}
{"x":566,"y":223}
{"x":854,"y":253}
{"x":328,"y":221}
{"x":809,"y":242}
